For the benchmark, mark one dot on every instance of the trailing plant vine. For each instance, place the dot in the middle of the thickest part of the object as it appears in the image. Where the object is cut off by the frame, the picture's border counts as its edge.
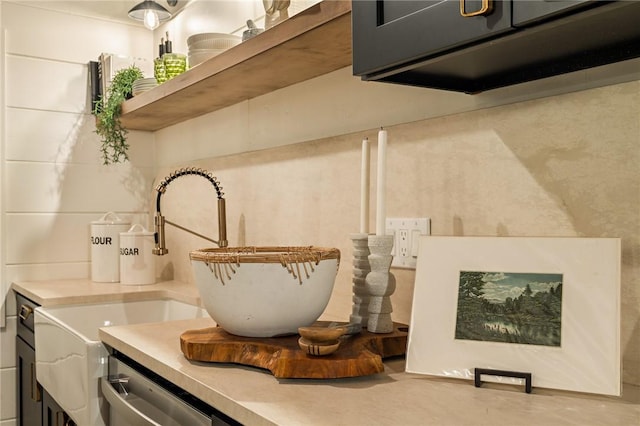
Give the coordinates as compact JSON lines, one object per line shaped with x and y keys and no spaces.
{"x":108,"y":109}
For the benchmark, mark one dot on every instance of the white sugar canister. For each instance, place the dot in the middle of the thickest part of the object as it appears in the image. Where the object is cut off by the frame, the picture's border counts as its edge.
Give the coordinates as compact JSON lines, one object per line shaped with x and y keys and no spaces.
{"x":105,"y":247}
{"x":137,"y":261}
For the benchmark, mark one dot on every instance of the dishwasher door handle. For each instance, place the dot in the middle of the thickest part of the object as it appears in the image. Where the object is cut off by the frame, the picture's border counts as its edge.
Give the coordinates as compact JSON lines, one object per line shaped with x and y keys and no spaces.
{"x":133,"y":416}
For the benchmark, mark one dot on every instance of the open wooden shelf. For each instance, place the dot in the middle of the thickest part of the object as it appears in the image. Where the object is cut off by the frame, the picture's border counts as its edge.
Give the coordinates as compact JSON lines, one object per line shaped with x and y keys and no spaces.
{"x":307,"y":45}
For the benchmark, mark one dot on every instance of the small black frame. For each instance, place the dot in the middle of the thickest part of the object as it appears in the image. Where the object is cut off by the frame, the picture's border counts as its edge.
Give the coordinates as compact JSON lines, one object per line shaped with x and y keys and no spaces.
{"x":504,"y":373}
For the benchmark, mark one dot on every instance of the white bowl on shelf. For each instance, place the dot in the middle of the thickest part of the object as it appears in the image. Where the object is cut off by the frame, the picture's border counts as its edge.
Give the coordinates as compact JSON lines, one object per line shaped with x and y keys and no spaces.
{"x":198,"y":56}
{"x":142,"y":85}
{"x":213,"y":41}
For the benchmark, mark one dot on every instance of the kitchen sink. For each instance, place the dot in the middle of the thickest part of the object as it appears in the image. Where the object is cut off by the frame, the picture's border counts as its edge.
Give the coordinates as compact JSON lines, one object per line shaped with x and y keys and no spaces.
{"x":70,"y":358}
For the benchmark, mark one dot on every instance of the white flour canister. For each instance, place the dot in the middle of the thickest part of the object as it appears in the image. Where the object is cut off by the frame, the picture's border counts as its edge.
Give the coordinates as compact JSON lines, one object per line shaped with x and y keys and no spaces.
{"x":137,"y":261}
{"x":105,"y":247}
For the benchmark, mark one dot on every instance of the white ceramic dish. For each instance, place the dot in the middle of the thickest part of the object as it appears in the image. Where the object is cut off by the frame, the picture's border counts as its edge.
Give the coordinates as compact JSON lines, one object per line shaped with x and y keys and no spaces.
{"x":213,"y":41}
{"x":198,"y":56}
{"x":137,"y":92}
{"x":142,"y":85}
{"x":143,"y":81}
{"x":265,"y":291}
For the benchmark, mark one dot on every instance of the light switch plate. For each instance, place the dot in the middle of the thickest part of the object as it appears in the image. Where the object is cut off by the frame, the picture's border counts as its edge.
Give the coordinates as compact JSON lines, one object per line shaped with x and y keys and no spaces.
{"x":406,"y":232}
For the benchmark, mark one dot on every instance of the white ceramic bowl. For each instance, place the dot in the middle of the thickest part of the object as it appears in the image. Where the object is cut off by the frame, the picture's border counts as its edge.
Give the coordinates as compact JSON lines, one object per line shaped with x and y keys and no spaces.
{"x":141,"y":85}
{"x":265,"y":291}
{"x":213,"y":41}
{"x":144,"y":82}
{"x":198,"y":56}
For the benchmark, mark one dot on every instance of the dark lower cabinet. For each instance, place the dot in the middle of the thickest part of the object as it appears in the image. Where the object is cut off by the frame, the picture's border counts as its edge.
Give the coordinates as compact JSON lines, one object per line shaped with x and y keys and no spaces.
{"x":53,"y":414}
{"x":29,"y":392}
{"x":34,"y":406}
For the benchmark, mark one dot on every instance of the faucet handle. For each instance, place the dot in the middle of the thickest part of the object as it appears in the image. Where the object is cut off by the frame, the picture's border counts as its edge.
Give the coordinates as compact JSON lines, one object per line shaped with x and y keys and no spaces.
{"x":160,"y":249}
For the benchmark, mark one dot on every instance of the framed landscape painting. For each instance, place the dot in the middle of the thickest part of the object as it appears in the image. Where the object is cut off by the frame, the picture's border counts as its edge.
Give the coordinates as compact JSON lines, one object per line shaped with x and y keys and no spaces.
{"x":545,"y":306}
{"x":524,"y":308}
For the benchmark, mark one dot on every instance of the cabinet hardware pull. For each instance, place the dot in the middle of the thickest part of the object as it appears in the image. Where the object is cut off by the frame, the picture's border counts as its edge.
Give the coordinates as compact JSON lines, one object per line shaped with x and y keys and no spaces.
{"x":487,"y":8}
{"x":25,"y":312}
{"x":35,"y":392}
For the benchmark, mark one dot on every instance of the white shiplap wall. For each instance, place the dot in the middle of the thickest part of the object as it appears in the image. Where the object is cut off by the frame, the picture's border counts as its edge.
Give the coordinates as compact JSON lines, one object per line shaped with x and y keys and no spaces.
{"x":53,"y":181}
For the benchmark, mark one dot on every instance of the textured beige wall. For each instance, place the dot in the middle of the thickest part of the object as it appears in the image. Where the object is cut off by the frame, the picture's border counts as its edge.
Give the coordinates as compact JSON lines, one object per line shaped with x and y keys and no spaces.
{"x":567,"y":165}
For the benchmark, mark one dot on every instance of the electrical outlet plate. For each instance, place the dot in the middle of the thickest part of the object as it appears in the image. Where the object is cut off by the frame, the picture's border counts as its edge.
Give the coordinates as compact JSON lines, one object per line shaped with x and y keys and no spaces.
{"x":406,"y":232}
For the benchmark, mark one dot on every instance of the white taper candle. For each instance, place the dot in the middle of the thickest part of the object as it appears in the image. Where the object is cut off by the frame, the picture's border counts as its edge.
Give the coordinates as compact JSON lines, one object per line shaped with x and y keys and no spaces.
{"x":364,"y":188}
{"x":381,"y":183}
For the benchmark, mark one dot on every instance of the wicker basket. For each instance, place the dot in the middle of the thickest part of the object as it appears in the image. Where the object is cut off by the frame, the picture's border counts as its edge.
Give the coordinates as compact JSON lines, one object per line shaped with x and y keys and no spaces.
{"x":299,"y":261}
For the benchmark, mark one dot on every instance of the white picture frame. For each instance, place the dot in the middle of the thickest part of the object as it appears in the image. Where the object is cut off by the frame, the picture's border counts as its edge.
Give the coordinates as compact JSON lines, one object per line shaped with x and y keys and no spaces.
{"x":588,"y":358}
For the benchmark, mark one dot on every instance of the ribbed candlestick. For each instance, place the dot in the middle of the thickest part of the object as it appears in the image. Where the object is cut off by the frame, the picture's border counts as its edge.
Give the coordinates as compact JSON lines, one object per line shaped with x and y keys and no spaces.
{"x":360,"y":307}
{"x":380,"y":284}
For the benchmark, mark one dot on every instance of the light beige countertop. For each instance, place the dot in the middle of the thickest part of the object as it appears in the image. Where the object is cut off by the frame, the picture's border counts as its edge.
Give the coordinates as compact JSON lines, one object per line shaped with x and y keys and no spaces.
{"x":84,"y":291}
{"x":254,"y":397}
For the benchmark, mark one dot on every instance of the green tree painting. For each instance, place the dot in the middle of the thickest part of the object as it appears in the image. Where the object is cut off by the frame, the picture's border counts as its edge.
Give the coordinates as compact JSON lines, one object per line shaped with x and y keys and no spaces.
{"x":523,"y":308}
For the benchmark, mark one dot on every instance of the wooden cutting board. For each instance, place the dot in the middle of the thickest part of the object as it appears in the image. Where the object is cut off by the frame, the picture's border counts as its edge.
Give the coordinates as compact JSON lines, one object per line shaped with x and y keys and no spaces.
{"x":358,"y":355}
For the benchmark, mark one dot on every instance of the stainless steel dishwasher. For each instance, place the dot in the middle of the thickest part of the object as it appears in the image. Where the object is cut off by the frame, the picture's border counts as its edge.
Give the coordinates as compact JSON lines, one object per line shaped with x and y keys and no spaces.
{"x":139,"y":397}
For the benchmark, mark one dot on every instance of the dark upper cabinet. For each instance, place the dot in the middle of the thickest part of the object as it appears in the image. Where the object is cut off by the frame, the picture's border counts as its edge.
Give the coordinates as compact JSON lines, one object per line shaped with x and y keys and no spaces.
{"x":530,"y":11}
{"x":394,"y":32}
{"x":431,"y":44}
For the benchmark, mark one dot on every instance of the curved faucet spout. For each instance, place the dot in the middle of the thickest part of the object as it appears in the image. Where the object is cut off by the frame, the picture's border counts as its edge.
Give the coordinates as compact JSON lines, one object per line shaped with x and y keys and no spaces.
{"x":159,"y":220}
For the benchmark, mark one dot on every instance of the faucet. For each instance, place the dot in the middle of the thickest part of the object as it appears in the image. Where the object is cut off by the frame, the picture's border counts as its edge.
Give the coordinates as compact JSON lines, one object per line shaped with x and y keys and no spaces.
{"x":159,"y":221}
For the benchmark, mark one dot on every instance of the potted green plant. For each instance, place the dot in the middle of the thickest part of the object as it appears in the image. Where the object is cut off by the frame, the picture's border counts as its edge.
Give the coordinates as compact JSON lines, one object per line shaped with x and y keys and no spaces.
{"x":107,"y":111}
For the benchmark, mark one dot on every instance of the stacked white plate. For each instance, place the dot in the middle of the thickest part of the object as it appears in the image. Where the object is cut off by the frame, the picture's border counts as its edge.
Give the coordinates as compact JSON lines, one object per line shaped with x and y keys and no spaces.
{"x":207,"y":45}
{"x":141,"y":85}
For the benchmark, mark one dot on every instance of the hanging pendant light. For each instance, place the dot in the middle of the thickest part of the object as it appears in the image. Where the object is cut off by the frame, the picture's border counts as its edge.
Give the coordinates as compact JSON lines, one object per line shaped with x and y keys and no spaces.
{"x":149,"y":12}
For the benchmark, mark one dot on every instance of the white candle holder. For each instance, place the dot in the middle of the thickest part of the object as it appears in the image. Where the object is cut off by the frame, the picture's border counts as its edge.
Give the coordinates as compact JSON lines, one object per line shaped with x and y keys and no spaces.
{"x":380,"y":284}
{"x":360,"y":307}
